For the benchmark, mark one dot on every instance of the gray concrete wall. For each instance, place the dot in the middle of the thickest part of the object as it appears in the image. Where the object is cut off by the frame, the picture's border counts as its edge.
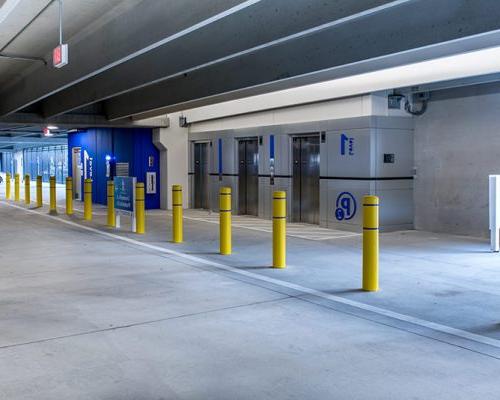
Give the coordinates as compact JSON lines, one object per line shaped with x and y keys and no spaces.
{"x":457,"y":145}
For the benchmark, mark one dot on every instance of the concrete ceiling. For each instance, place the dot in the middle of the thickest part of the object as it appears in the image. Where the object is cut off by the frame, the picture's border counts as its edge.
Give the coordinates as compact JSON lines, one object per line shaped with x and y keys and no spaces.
{"x":131,"y":58}
{"x":39,"y":38}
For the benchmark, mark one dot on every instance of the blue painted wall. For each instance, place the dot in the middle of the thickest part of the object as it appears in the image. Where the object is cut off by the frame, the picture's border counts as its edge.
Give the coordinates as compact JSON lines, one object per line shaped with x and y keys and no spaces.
{"x":134,"y":146}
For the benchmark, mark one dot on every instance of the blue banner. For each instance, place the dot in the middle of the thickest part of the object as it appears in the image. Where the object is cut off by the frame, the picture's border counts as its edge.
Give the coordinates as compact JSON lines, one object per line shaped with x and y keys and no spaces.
{"x":125,"y":193}
{"x":271,"y":147}
{"x":220,"y":156}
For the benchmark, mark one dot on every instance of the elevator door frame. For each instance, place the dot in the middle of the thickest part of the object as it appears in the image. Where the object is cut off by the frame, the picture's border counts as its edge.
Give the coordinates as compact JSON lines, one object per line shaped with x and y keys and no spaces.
{"x":76,"y":172}
{"x":197,"y":199}
{"x":248,"y":204}
{"x":298,"y":189}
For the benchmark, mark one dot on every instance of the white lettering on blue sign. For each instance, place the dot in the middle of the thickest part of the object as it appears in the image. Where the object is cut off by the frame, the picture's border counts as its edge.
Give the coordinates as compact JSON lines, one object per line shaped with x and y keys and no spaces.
{"x":346,"y":145}
{"x":125,"y":193}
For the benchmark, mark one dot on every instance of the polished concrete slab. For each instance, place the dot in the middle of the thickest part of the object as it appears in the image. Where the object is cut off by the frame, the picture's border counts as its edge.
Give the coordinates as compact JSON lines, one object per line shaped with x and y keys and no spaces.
{"x":88,"y":315}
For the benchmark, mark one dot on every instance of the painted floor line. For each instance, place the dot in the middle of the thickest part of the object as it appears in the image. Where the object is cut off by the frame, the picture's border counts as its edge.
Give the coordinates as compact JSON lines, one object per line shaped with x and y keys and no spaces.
{"x":265,"y":226}
{"x":302,"y":289}
{"x":75,"y":209}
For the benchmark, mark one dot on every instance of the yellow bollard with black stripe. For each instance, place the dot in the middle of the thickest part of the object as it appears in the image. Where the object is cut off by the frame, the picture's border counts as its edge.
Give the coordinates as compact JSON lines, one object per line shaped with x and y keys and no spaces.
{"x":39,"y":195}
{"x":87,"y":200}
{"x":69,"y":195}
{"x":27,"y":189}
{"x":140,"y":213}
{"x":279,"y":229}
{"x":177,"y":228}
{"x":225,"y":245}
{"x":370,"y":243}
{"x":17,"y":195}
{"x":111,"y":204}
{"x":52,"y":195}
{"x":7,"y":186}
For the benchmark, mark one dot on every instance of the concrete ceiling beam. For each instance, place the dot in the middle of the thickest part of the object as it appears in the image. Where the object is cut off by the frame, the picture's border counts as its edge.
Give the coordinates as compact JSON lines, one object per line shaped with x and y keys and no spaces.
{"x":75,"y":121}
{"x":400,"y":35}
{"x":126,"y":32}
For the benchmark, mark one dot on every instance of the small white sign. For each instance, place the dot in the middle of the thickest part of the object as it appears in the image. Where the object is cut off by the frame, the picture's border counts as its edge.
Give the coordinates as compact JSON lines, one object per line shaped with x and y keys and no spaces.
{"x":150,"y":182}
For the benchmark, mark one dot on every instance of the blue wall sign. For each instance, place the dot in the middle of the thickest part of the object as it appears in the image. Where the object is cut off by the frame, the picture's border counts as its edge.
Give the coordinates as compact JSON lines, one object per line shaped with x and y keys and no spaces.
{"x":346,"y":145}
{"x":271,"y":147}
{"x":345,"y":206}
{"x":125,"y":193}
{"x":271,"y":159}
{"x":220,"y":159}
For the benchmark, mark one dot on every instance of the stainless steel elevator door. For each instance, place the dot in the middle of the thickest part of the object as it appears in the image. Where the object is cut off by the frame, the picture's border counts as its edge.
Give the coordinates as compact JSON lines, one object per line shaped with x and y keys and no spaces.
{"x":201,"y":175}
{"x":306,"y":179}
{"x":248,"y":177}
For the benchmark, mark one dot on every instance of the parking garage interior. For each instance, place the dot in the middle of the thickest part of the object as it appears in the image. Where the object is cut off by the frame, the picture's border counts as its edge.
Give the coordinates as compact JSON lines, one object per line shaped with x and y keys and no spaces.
{"x":241,"y":199}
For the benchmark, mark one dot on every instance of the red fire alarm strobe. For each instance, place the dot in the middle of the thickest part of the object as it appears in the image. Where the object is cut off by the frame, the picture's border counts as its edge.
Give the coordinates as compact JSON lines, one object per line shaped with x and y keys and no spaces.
{"x":60,"y":56}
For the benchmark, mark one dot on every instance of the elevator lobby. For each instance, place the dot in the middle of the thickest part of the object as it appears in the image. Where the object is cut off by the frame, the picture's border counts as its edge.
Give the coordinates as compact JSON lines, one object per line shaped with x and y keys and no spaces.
{"x":249,"y":199}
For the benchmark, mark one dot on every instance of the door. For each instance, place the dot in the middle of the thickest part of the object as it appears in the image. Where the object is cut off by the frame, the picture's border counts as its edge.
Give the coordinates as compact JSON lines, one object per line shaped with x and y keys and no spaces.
{"x":248,"y":176}
{"x":201,"y":175}
{"x":306,"y":179}
{"x":77,"y":172}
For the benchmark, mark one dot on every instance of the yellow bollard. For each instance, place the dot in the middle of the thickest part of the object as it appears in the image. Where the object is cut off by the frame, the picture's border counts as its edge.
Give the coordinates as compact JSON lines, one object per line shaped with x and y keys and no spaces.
{"x":140,"y":214}
{"x":27,"y":189}
{"x":225,"y":220}
{"x":16,"y":188}
{"x":7,"y":186}
{"x":87,"y":200}
{"x":111,"y":204}
{"x":279,"y":230}
{"x":370,"y":243}
{"x":39,"y":195}
{"x":52,"y":195}
{"x":69,"y":195}
{"x":177,"y":213}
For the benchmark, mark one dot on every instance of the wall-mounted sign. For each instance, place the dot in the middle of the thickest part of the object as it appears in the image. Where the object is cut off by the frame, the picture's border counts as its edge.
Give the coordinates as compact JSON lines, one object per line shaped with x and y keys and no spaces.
{"x":220,"y":159}
{"x":346,"y":145}
{"x":150,"y":182}
{"x":271,"y":159}
{"x":345,"y":206}
{"x":88,"y":166}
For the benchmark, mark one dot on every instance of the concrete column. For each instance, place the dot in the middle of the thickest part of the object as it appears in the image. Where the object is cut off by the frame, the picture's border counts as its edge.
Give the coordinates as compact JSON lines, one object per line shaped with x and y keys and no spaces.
{"x":173,"y":145}
{"x":18,"y":160}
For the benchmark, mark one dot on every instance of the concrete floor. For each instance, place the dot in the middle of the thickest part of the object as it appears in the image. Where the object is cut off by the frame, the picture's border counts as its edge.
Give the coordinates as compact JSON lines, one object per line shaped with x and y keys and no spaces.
{"x":93,"y":313}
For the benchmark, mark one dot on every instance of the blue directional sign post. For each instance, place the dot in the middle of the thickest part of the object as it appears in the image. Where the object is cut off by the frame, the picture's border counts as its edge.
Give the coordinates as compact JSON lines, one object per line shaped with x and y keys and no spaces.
{"x":125,"y":198}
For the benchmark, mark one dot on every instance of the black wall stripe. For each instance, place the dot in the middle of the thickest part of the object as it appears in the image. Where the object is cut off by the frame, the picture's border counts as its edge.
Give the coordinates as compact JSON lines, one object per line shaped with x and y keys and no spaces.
{"x":339,"y":178}
{"x":353,"y":178}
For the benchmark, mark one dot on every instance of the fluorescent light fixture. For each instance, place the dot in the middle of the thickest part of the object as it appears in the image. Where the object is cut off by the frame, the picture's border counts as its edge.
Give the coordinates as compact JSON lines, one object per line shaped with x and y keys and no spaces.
{"x":52,"y":127}
{"x":465,"y":65}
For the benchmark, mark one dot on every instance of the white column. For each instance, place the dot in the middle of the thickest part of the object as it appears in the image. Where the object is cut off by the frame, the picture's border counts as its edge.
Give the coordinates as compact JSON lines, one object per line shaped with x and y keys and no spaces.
{"x":173,"y":145}
{"x":494,"y":212}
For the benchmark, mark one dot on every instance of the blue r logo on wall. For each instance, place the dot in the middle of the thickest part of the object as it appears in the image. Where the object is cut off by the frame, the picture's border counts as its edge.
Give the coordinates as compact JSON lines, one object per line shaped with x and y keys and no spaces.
{"x":345,"y":206}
